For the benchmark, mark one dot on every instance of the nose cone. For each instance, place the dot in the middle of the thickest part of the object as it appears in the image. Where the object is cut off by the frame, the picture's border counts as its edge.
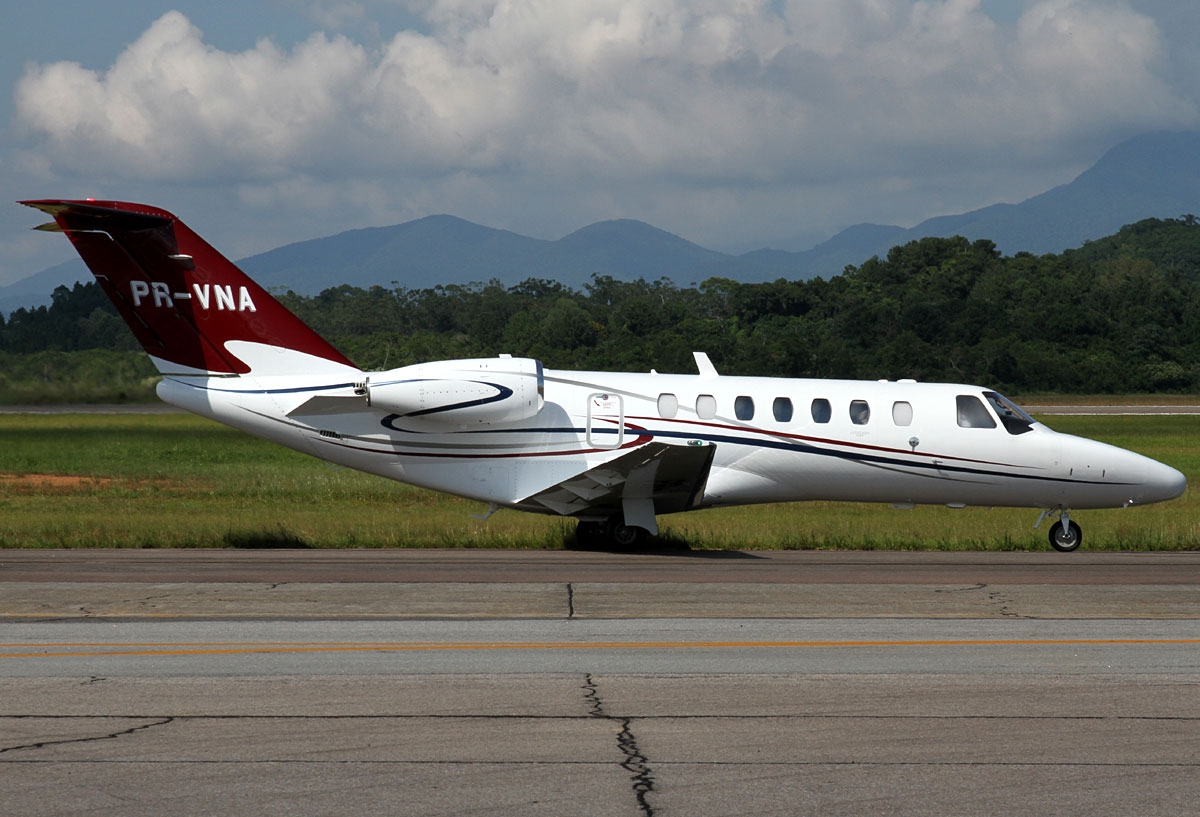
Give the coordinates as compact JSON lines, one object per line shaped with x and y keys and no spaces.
{"x":1161,"y":482}
{"x":1108,"y":477}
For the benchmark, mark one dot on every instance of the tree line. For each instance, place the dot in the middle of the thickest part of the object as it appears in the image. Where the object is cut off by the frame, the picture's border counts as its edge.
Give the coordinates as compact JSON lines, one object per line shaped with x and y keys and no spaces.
{"x":1118,"y":315}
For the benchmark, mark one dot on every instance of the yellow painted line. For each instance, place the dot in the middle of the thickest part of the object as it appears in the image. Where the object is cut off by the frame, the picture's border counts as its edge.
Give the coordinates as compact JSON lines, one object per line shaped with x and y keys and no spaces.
{"x":66,"y":650}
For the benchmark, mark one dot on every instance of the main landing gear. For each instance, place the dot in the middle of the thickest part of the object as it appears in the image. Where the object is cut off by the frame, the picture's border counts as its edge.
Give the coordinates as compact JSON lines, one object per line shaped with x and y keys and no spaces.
{"x":610,"y":533}
{"x":1065,"y":535}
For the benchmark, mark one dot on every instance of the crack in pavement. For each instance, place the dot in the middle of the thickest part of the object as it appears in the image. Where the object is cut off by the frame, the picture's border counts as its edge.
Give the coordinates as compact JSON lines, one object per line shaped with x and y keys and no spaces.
{"x":570,"y":601}
{"x":1001,"y":600}
{"x":109,"y":736}
{"x":635,"y":762}
{"x":1004,"y":601}
{"x":970,"y":589}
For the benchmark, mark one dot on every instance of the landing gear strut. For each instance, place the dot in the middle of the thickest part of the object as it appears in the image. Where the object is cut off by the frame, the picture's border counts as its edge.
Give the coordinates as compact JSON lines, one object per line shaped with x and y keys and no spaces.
{"x":1065,"y":535}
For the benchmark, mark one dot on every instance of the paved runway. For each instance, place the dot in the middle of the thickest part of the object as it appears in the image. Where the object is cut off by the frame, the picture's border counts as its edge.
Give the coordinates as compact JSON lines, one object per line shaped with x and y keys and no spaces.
{"x":440,"y":683}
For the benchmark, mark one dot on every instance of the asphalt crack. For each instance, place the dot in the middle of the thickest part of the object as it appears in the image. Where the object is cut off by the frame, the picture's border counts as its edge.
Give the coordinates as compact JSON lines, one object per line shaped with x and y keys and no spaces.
{"x":969,"y":589}
{"x":1004,"y":601}
{"x":110,"y":736}
{"x":570,"y":601}
{"x":1000,"y":600}
{"x":635,"y":762}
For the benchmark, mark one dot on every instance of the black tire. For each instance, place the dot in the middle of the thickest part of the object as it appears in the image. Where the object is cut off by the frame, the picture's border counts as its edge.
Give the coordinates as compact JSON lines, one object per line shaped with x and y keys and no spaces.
{"x":1065,"y":541}
{"x":625,"y":537}
{"x":589,"y":535}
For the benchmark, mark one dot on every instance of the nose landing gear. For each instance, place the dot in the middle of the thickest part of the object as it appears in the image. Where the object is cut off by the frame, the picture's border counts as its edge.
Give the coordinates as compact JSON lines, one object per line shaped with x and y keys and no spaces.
{"x":1065,"y":536}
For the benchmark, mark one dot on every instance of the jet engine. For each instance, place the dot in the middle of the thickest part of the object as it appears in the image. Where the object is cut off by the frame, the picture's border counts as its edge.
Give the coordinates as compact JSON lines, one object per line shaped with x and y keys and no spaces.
{"x":458,"y":392}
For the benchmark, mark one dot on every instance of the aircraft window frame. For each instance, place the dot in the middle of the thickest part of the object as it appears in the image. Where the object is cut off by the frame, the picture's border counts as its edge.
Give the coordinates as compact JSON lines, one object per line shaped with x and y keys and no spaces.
{"x":860,"y":412}
{"x":970,"y":412}
{"x":902,"y":413}
{"x":706,"y":406}
{"x":668,"y":406}
{"x":1012,"y":417}
{"x":821,"y":410}
{"x":782,"y":409}
{"x":743,"y":407}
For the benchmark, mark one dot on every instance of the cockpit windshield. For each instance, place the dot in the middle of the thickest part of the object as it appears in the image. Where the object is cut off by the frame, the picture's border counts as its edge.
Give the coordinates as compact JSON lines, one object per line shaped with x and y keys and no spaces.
{"x":1014,"y":419}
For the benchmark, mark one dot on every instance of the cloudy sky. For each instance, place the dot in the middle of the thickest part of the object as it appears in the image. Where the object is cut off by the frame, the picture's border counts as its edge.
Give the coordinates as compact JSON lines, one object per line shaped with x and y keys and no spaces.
{"x":734,"y":123}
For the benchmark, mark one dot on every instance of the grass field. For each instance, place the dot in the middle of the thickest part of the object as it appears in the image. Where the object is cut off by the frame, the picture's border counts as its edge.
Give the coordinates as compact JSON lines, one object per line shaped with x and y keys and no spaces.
{"x":174,"y":480}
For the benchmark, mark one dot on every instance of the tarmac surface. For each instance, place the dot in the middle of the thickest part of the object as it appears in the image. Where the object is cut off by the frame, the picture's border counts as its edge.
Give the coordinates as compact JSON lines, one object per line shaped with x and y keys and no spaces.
{"x":563,"y":683}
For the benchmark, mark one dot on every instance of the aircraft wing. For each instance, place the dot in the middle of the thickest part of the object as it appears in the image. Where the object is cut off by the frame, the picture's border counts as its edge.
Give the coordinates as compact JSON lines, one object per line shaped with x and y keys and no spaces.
{"x":653,"y":479}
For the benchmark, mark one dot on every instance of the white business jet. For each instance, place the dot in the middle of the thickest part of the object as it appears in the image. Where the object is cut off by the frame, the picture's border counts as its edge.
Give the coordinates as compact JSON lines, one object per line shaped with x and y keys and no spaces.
{"x":613,"y":450}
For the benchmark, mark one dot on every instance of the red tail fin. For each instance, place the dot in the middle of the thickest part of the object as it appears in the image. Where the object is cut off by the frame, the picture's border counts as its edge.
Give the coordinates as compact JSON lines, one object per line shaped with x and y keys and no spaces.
{"x":192,"y":310}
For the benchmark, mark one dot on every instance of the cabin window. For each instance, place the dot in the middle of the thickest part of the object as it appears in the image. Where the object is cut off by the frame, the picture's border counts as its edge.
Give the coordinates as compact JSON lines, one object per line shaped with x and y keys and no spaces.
{"x":860,"y":412}
{"x":1014,"y":419}
{"x":706,"y":407}
{"x":902,"y":414}
{"x":821,"y":410}
{"x":743,"y":408}
{"x":668,"y":406}
{"x":972,"y":414}
{"x":782,"y":409}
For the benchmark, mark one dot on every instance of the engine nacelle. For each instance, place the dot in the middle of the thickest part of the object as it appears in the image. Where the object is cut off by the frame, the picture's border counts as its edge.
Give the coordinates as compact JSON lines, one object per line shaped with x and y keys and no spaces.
{"x":457,"y":392}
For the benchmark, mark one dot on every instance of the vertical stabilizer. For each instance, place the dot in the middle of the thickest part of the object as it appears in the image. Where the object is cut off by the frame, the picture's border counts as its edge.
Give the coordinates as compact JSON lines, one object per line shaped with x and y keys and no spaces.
{"x":193,"y":311}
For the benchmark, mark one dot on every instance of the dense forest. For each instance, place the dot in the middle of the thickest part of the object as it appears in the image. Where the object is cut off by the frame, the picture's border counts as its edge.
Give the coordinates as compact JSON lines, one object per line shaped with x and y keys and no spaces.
{"x":1118,"y":315}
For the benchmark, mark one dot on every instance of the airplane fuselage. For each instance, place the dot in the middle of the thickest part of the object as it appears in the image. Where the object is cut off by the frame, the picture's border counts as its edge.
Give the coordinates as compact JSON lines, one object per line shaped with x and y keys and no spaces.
{"x":775,"y":440}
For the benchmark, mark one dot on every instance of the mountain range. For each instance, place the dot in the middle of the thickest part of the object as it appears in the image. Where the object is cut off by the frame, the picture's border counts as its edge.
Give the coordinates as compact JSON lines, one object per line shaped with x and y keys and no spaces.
{"x":1154,"y":175}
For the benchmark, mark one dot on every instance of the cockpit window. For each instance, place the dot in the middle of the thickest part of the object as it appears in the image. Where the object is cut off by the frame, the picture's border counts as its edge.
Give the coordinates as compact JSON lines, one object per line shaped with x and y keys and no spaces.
{"x":972,"y":414}
{"x":1014,"y":419}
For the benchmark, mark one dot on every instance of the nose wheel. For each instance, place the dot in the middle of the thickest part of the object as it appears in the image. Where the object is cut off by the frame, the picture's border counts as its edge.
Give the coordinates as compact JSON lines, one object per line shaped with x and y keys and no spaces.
{"x":1065,"y":535}
{"x":1065,"y":541}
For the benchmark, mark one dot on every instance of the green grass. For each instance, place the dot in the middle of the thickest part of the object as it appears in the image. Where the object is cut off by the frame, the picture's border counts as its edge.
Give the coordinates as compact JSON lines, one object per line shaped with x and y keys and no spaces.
{"x":89,"y":376}
{"x":106,"y":481}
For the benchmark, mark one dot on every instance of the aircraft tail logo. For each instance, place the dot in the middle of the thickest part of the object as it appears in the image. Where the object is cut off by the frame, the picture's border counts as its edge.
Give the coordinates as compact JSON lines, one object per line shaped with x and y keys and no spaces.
{"x":193,"y":311}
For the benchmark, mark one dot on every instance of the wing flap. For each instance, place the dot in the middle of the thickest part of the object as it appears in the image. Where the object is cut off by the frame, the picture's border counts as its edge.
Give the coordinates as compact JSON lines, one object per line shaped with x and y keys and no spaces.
{"x":654,"y":479}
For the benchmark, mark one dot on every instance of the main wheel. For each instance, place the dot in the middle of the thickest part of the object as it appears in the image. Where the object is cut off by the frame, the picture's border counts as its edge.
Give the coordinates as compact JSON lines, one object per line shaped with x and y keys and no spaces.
{"x":590,"y":535}
{"x":1065,"y":541}
{"x":626,"y":537}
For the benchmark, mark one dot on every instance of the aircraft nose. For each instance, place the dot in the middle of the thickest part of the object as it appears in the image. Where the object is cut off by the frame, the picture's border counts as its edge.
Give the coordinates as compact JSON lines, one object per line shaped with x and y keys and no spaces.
{"x":1131,"y":478}
{"x":1162,"y":482}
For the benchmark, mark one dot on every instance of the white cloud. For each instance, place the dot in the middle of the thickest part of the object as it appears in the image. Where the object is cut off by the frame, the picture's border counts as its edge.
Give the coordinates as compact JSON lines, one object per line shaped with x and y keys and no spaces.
{"x":625,"y":102}
{"x":173,"y":108}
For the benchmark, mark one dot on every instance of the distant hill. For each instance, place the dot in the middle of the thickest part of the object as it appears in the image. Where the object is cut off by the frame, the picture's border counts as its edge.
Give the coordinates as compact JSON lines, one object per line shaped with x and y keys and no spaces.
{"x":37,"y":288}
{"x":1171,"y":245}
{"x":1156,"y":175}
{"x":1152,"y":176}
{"x":448,"y":250}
